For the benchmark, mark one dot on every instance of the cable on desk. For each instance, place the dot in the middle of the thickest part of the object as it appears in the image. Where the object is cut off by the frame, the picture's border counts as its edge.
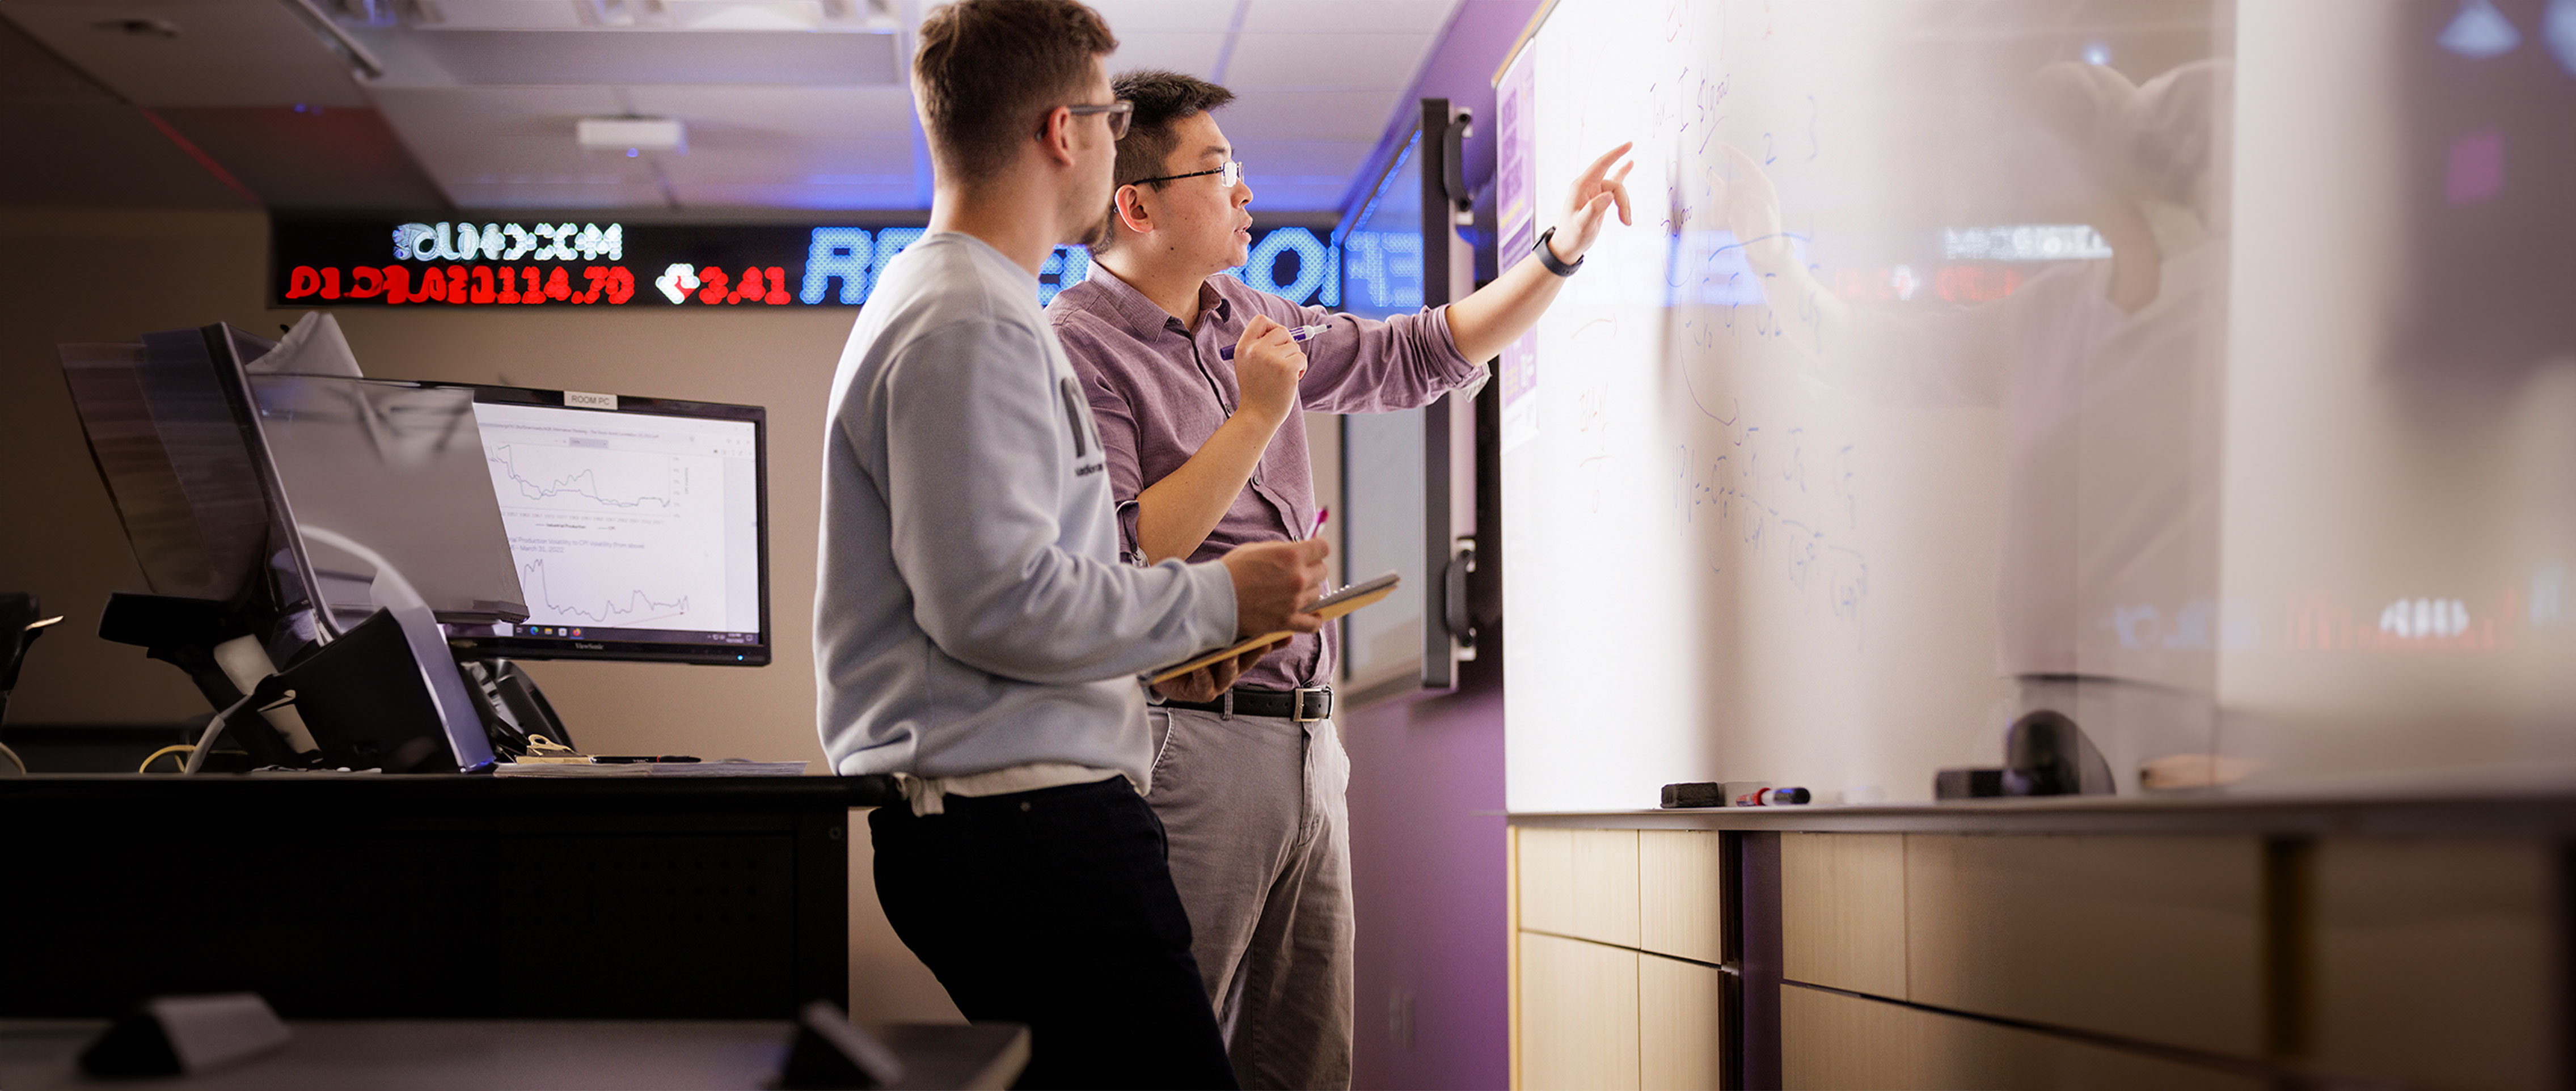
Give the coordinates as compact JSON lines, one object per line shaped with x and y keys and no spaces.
{"x":174,"y":748}
{"x":14,"y":759}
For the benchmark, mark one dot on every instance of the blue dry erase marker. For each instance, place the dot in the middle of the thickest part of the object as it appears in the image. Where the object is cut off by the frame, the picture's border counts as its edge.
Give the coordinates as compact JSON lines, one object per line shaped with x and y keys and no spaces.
{"x":1298,"y":333}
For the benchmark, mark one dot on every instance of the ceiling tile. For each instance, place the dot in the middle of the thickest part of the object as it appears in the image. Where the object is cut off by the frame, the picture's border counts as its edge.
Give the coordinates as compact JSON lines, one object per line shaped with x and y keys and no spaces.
{"x":558,"y":191}
{"x":30,"y":72}
{"x":884,"y":191}
{"x":825,"y":114}
{"x":1132,"y":17}
{"x":1348,"y":16}
{"x":227,"y":53}
{"x":1308,"y":115}
{"x":1195,"y":54}
{"x":560,"y":58}
{"x":471,"y":139}
{"x":1326,"y":61}
{"x":313,"y":159}
{"x":1299,"y":162}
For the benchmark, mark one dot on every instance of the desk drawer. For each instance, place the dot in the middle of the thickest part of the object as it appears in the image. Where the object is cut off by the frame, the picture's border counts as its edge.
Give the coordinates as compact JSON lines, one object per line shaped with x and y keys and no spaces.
{"x":1842,"y":911}
{"x":1833,"y":1040}
{"x":2156,"y":939}
{"x":1681,"y":894}
{"x":1578,"y":1017}
{"x":1580,"y":883}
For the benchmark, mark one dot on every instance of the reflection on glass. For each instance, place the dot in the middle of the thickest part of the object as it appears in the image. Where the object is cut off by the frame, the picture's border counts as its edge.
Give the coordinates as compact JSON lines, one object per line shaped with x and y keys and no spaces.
{"x":380,"y":475}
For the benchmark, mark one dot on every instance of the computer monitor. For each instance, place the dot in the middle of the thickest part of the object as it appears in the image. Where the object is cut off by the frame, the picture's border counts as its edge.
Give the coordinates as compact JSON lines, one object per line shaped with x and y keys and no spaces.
{"x":639,"y":527}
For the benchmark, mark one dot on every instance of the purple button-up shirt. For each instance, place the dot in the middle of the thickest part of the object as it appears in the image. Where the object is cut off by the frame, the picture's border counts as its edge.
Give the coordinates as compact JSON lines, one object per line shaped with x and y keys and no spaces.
{"x":1158,"y":391}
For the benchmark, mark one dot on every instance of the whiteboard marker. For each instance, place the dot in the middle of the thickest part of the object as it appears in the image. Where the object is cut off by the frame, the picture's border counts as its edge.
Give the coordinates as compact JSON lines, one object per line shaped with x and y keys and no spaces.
{"x":1295,"y":333}
{"x":1772,"y":797}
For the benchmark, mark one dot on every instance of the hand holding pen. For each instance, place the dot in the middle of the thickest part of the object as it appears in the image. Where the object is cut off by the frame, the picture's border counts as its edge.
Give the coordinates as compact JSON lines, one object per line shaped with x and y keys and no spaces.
{"x":1295,"y":333}
{"x":1267,"y":366}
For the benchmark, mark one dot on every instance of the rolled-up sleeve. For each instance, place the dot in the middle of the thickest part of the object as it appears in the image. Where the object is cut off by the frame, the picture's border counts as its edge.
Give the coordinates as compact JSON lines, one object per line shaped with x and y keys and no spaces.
{"x":1117,"y":421}
{"x":974,"y":476}
{"x":1368,"y":365}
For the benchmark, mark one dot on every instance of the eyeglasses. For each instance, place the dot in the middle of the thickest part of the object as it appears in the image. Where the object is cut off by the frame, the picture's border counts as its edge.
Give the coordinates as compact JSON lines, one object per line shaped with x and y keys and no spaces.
{"x":1231,"y":173}
{"x":1118,"y":112}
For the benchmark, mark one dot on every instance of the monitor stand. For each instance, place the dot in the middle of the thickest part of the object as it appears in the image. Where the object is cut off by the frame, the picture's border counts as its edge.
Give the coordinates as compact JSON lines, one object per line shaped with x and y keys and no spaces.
{"x":512,"y":707}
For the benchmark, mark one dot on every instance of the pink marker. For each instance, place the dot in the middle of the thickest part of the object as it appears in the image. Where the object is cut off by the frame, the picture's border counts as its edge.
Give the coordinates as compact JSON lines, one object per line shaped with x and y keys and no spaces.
{"x":1295,"y":333}
{"x":1321,"y":514}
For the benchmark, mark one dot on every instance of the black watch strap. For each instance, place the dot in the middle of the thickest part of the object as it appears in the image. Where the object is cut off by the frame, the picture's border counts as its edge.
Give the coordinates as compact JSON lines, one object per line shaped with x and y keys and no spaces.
{"x":1547,"y":257}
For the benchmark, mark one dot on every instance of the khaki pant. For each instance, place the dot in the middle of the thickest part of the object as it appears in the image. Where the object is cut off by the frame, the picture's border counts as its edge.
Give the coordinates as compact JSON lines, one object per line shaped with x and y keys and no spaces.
{"x":1253,"y":810}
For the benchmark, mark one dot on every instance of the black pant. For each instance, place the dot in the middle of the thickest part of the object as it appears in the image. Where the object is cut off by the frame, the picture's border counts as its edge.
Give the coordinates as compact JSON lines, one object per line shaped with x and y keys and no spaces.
{"x":1055,"y":908}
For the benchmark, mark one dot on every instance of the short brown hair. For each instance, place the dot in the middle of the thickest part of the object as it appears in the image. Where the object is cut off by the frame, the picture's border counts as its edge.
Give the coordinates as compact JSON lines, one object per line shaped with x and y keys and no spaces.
{"x":1161,"y":98}
{"x":988,"y":69}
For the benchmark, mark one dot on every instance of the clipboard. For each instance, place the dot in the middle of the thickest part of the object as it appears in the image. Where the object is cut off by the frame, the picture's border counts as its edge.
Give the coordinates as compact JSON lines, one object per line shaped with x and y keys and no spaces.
{"x":1328,"y":607}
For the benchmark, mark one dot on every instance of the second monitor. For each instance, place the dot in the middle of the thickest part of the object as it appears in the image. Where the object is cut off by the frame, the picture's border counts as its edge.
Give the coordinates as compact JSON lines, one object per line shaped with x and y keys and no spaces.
{"x":639,"y":526}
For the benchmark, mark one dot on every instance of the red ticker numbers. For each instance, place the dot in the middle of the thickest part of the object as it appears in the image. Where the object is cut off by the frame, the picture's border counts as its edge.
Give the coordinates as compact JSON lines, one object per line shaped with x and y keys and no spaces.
{"x":481,"y":284}
{"x":465,"y":284}
{"x":713,"y":287}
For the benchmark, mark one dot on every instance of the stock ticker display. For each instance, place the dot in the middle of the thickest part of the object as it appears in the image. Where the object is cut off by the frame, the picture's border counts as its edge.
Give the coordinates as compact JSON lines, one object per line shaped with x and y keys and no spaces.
{"x":593,"y":263}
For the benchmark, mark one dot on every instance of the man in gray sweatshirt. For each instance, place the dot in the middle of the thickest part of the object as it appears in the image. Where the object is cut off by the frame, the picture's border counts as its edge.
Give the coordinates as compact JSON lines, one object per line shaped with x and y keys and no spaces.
{"x":975,"y":632}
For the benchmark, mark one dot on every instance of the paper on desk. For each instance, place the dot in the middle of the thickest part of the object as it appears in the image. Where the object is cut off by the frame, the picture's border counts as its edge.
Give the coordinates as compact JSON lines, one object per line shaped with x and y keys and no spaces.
{"x":564,"y":769}
{"x":730,"y":767}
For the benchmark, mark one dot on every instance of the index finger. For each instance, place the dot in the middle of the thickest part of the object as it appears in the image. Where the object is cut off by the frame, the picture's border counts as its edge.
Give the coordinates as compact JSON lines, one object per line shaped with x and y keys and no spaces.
{"x":1619,"y":192}
{"x":1602,"y":165}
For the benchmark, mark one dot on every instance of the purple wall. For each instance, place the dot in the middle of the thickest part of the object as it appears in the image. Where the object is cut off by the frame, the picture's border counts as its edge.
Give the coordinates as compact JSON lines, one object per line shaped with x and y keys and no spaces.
{"x":1426,"y":805}
{"x":1426,"y":797}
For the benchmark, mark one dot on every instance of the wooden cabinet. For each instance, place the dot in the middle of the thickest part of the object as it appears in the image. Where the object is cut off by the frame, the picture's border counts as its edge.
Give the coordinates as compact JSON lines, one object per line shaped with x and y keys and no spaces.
{"x":2152,"y":939}
{"x":2437,"y":960}
{"x":2003,"y":959}
{"x":1614,"y":975}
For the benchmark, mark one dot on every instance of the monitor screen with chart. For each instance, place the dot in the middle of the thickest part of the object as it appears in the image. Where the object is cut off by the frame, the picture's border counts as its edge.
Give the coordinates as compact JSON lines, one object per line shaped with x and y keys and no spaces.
{"x":638,"y":526}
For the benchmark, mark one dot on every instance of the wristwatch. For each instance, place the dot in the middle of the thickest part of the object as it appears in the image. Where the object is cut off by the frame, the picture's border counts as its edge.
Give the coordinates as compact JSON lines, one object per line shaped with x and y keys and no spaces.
{"x":1547,"y":257}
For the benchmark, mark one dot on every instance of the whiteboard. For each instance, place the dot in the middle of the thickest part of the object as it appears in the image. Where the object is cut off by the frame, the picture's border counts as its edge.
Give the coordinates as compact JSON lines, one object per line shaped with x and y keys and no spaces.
{"x":1767,"y":479}
{"x":1935,"y":383}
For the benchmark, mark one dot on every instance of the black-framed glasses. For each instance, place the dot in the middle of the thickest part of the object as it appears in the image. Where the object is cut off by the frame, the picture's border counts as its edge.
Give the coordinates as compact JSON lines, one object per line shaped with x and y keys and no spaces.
{"x":1118,"y":112}
{"x":1232,"y":173}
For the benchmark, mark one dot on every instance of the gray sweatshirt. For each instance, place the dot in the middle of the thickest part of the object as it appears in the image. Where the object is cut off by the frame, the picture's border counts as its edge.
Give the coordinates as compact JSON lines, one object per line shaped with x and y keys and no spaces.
{"x":971,"y":613}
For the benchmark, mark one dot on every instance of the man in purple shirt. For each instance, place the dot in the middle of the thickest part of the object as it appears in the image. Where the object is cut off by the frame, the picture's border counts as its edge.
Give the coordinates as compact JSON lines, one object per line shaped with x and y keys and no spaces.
{"x":1206,"y":454}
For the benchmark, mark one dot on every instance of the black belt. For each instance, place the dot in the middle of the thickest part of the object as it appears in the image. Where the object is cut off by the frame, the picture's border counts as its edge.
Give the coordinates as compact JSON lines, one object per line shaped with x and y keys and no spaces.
{"x":1301,"y":705}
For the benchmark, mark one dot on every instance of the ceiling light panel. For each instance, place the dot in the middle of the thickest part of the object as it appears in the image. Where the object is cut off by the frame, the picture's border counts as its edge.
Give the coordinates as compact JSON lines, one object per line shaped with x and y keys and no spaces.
{"x":631,"y":134}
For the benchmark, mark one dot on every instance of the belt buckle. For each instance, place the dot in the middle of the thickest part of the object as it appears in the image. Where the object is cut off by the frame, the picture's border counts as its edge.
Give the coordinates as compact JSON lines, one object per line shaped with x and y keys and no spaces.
{"x":1324,"y":709}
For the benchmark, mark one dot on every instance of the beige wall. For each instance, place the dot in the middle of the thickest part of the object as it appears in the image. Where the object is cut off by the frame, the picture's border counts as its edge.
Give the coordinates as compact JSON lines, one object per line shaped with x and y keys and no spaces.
{"x":80,"y":275}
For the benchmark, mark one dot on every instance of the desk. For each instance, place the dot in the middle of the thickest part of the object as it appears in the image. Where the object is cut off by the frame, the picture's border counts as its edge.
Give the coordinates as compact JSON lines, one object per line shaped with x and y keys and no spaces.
{"x":461,"y":1055}
{"x":402,"y":897}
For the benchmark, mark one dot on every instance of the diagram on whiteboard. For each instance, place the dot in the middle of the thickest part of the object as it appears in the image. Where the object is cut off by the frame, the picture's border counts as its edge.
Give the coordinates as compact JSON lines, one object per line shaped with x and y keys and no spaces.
{"x":625,"y":523}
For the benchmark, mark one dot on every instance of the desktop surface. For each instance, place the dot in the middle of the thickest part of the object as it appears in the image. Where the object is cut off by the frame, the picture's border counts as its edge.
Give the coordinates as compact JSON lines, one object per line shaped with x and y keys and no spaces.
{"x":460,"y":1054}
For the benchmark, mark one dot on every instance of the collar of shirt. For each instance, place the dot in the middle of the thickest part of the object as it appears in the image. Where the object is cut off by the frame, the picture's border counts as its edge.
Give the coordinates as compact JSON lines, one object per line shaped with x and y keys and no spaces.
{"x":1143,"y":317}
